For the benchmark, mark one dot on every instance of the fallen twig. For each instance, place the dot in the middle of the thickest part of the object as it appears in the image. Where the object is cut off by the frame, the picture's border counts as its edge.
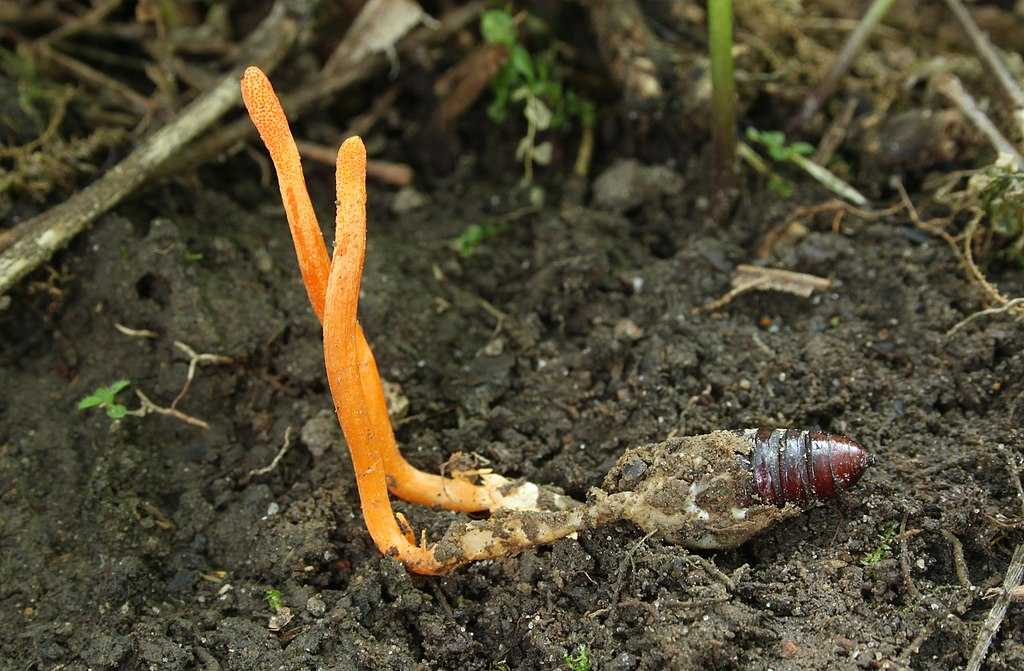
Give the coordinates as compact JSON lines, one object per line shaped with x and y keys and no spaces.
{"x":376,"y":29}
{"x":98,"y":80}
{"x":852,"y":47}
{"x":990,"y":57}
{"x":388,"y":172}
{"x":988,"y":630}
{"x":748,"y":278}
{"x":829,"y":180}
{"x":839,"y":207}
{"x":629,"y":48}
{"x":949,"y":85}
{"x":833,"y":137}
{"x":959,"y":563}
{"x":37,"y":239}
{"x":322,"y":87}
{"x":82,"y":22}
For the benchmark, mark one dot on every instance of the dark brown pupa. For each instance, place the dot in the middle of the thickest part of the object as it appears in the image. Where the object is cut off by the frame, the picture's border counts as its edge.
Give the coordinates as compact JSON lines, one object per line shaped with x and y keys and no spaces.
{"x":800,"y":467}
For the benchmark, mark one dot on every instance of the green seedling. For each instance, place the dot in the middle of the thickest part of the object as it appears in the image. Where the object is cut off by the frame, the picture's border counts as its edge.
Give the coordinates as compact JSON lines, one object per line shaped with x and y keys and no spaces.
{"x":883,"y":548}
{"x":475,"y":235}
{"x":580,"y":660}
{"x":774,"y":142}
{"x":796,"y":153}
{"x":275,"y":600}
{"x":104,"y":397}
{"x":532,"y":83}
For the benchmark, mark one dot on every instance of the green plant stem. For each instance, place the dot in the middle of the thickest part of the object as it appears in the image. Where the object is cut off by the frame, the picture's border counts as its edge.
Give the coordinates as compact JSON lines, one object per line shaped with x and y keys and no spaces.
{"x":829,"y":180}
{"x":723,"y":100}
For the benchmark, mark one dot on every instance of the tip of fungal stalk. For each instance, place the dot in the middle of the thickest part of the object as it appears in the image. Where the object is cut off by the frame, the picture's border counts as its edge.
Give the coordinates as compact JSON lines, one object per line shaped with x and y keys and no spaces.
{"x":352,"y":149}
{"x":252,"y":74}
{"x":351,"y":168}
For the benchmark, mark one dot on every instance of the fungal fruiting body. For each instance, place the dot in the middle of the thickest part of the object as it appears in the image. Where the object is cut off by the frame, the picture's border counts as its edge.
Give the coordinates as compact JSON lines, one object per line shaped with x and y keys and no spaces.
{"x":713,"y":491}
{"x":315,"y":266}
{"x":332,"y":285}
{"x":803,"y":466}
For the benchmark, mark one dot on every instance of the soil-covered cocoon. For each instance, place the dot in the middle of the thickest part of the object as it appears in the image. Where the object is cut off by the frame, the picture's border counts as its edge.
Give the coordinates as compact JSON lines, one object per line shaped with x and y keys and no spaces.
{"x":693,"y":491}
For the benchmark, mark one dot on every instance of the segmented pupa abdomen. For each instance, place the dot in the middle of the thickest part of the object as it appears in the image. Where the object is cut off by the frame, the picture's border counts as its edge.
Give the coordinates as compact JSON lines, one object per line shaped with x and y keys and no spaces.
{"x":793,"y":466}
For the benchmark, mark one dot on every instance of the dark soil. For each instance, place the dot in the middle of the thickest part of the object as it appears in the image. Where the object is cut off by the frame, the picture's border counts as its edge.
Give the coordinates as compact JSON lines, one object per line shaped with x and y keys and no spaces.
{"x":145,"y":544}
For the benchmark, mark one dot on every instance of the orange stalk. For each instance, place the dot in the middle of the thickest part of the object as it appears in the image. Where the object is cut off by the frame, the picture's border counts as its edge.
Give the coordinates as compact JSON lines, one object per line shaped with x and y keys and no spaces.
{"x":343,"y":370}
{"x":403,"y":479}
{"x":268,"y":116}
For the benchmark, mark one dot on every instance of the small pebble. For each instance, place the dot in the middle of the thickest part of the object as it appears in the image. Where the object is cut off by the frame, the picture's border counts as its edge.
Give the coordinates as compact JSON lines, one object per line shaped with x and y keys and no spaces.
{"x":626,"y":329}
{"x":316,"y":606}
{"x":321,"y":433}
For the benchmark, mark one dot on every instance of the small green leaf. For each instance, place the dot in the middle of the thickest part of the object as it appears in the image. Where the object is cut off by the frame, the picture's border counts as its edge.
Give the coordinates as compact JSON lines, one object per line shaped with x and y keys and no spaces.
{"x":90,"y":401}
{"x":104,"y":397}
{"x":469,"y":240}
{"x":521,"y":62}
{"x":498,"y":27}
{"x":802,"y":148}
{"x":274,"y":599}
{"x":116,"y":411}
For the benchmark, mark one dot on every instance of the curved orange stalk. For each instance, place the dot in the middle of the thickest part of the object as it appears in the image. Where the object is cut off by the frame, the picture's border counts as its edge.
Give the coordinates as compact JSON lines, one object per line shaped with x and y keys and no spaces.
{"x":343,"y":370}
{"x":404,"y":480}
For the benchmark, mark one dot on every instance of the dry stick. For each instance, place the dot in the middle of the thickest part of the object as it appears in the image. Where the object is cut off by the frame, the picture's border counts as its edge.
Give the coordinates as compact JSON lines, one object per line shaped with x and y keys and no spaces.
{"x":995,"y":616}
{"x":959,"y":563}
{"x":94,"y":77}
{"x":321,"y":88}
{"x":989,"y":55}
{"x":40,"y":237}
{"x":949,"y":85}
{"x":90,"y":18}
{"x":867,"y":25}
{"x":836,"y":133}
{"x":388,"y":172}
{"x":60,"y":108}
